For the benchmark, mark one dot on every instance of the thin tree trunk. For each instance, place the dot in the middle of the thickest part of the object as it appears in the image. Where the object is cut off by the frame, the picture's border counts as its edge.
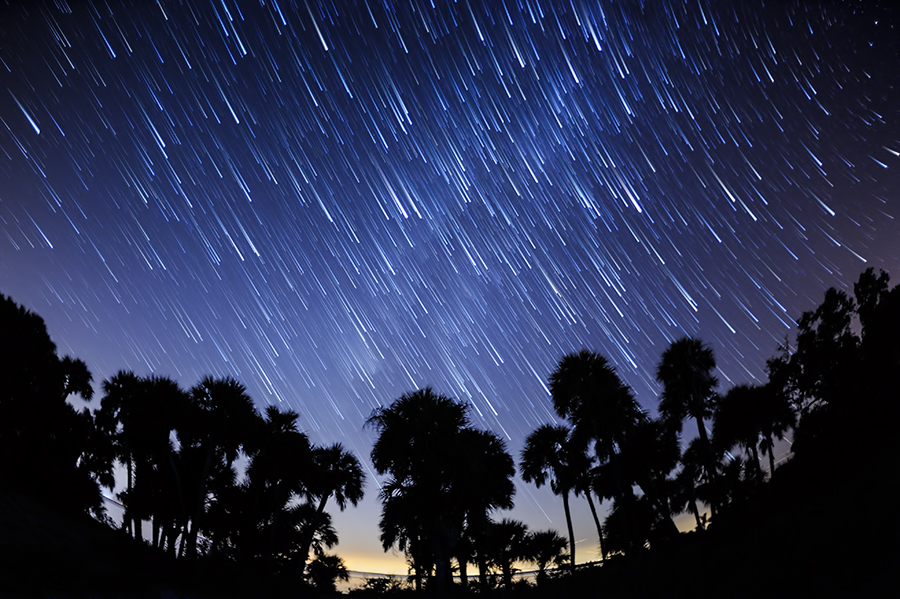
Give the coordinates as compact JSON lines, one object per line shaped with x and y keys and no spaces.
{"x":184,"y":535}
{"x":590,"y":501}
{"x":127,"y":520}
{"x":507,"y":574}
{"x":155,"y":539}
{"x":710,"y":463}
{"x":308,"y":536}
{"x":483,"y":573}
{"x":199,"y":501}
{"x":771,"y":457}
{"x":696,"y":511}
{"x":570,"y":529}
{"x":463,"y":573}
{"x":755,"y":454}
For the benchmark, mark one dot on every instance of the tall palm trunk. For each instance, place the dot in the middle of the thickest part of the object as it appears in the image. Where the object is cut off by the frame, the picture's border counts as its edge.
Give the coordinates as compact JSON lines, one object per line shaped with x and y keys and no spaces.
{"x":127,"y":520}
{"x":590,"y":501}
{"x":771,"y":457}
{"x":755,"y":455}
{"x":710,"y":463}
{"x":696,"y":511}
{"x":306,"y":542}
{"x":483,"y":573}
{"x":570,"y":529}
{"x":463,"y":573}
{"x":507,"y":575}
{"x":199,"y":501}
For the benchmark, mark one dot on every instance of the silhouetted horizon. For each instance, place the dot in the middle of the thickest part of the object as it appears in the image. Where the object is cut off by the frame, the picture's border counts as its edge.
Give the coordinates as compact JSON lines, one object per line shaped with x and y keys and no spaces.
{"x":336,"y":204}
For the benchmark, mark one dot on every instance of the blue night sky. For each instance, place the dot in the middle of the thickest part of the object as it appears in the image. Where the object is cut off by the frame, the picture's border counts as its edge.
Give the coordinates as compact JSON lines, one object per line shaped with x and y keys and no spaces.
{"x":339,"y":202}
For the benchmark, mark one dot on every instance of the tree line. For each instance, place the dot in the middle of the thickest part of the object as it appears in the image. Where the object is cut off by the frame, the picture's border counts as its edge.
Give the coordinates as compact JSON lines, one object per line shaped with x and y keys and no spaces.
{"x":833,"y":389}
{"x":181,"y":451}
{"x":217,"y":481}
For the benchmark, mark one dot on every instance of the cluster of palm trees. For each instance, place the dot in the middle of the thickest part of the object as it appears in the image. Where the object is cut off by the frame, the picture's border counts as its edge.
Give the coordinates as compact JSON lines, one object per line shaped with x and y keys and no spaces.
{"x":612,"y":449}
{"x":825,"y":388}
{"x":208,"y":473}
{"x":212,"y":476}
{"x":444,"y":480}
{"x":181,"y":451}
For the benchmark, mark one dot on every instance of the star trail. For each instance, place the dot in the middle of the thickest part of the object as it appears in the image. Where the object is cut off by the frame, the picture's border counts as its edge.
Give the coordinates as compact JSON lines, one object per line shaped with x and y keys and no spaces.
{"x":338,"y":202}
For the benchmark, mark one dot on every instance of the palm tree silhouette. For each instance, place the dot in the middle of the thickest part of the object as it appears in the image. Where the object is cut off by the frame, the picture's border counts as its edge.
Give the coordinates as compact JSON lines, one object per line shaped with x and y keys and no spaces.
{"x":144,"y":412}
{"x":545,"y":456}
{"x":484,"y":471}
{"x":507,"y":539}
{"x":542,"y":548}
{"x":737,"y":421}
{"x":421,"y":444}
{"x":587,"y":391}
{"x":218,"y":424}
{"x":280,"y":461}
{"x":685,"y":372}
{"x":776,"y":417}
{"x":336,"y":473}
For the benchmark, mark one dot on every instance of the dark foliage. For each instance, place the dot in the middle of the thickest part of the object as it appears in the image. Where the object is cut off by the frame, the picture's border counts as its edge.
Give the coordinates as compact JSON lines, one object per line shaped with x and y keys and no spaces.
{"x":833,"y":390}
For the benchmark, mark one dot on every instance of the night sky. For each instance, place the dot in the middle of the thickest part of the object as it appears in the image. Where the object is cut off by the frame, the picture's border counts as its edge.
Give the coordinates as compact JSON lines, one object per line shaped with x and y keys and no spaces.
{"x":339,"y":202}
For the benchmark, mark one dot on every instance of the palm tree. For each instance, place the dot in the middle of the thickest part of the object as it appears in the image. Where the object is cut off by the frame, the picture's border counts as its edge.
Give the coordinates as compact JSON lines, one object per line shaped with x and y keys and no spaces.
{"x":580,"y":465}
{"x":545,"y":456}
{"x":337,"y":473}
{"x":648,"y":454}
{"x":588,"y":393}
{"x":220,"y":422}
{"x":325,"y":570}
{"x":693,"y":481}
{"x":422,"y":444}
{"x":114,"y":412}
{"x":280,"y":462}
{"x":484,"y":471}
{"x":543,"y":547}
{"x":686,"y":374}
{"x":736,"y":421}
{"x":507,"y":541}
{"x":143,"y":411}
{"x":776,"y":418}
{"x":415,"y":441}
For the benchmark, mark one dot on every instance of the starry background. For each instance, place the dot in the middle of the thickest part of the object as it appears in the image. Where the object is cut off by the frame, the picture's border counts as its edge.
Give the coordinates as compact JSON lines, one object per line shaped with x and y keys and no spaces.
{"x":339,"y":202}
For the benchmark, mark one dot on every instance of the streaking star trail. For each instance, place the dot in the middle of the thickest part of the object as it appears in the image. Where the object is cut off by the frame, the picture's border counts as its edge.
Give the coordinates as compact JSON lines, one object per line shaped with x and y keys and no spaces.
{"x":338,"y":202}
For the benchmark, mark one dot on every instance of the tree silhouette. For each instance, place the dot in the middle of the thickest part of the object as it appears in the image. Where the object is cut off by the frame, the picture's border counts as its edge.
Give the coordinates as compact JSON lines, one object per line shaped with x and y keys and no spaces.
{"x":145,"y":412}
{"x":820,"y":377}
{"x":545,"y":457}
{"x":777,"y":417}
{"x":685,"y":372}
{"x":484,"y":471}
{"x":336,"y":473}
{"x":542,"y":548}
{"x":220,"y":421}
{"x":752,"y":417}
{"x":507,"y":540}
{"x":325,"y":571}
{"x":280,"y":461}
{"x":429,"y":494}
{"x":649,"y":452}
{"x":48,"y":448}
{"x":587,"y":391}
{"x":737,"y":421}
